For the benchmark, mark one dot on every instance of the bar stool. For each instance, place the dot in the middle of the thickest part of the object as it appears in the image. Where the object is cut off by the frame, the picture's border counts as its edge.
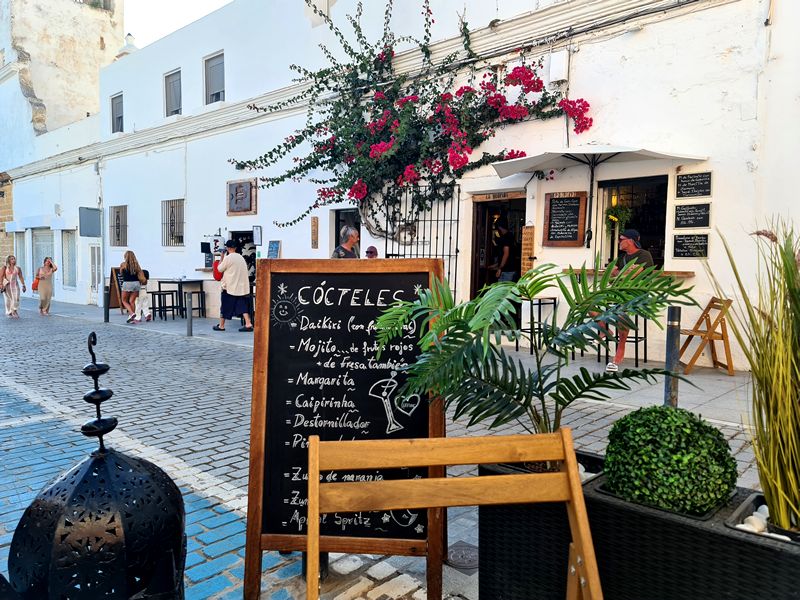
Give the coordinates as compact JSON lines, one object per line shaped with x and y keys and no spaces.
{"x":535,"y":327}
{"x":164,"y":302}
{"x":199,"y":305}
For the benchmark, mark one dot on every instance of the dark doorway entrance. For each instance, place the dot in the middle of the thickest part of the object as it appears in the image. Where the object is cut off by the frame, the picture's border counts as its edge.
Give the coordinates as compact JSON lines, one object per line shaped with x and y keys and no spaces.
{"x":647,"y":199}
{"x":485,"y":252}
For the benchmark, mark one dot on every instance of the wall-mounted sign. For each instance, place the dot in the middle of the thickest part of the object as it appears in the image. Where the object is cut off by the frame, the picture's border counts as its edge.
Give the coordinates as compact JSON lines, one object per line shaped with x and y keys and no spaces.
{"x":274,"y":249}
{"x":564,"y":219}
{"x":314,"y":233}
{"x":241,"y":197}
{"x":692,"y":216}
{"x":690,"y":185}
{"x":257,"y":234}
{"x":690,"y":245}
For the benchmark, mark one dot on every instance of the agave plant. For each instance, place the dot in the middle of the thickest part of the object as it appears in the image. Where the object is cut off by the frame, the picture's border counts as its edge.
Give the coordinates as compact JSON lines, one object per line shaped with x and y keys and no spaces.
{"x":463,"y":361}
{"x":768,"y":330}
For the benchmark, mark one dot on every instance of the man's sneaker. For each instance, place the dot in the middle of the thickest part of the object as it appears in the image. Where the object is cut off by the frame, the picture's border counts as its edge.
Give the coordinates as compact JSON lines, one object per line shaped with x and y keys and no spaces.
{"x":612,"y":367}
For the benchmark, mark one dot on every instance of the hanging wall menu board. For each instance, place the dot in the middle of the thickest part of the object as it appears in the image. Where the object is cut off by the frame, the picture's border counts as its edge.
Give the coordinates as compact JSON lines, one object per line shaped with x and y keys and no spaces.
{"x":690,"y":246}
{"x":564,"y":219}
{"x":315,"y":372}
{"x":690,"y":185}
{"x":692,"y":216}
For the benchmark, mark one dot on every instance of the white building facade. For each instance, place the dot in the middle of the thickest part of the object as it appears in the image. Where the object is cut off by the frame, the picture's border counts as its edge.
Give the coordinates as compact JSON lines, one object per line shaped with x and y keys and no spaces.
{"x":713,"y":81}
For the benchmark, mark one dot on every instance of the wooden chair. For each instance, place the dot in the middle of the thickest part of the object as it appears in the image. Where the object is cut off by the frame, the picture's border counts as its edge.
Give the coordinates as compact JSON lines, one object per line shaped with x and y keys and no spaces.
{"x":563,"y":485}
{"x":710,"y":327}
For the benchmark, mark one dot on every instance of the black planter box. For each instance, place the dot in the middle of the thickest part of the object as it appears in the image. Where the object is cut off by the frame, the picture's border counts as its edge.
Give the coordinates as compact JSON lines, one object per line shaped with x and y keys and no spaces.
{"x":523,"y":548}
{"x":643,"y":553}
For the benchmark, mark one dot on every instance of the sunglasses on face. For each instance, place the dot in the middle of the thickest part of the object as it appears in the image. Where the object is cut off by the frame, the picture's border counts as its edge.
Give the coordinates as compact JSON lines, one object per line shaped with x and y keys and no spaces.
{"x":372,"y":253}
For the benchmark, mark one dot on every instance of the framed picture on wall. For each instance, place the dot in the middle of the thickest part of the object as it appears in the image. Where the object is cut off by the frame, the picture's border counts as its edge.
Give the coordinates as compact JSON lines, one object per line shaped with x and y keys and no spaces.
{"x":256,"y":235}
{"x":274,"y":249}
{"x":241,"y":197}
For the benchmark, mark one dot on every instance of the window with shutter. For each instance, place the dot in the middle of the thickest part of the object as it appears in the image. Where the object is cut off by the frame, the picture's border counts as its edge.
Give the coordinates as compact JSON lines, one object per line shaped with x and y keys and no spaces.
{"x":116,"y":114}
{"x":215,"y":78}
{"x":172,"y":89}
{"x":118,"y":225}
{"x":172,"y":223}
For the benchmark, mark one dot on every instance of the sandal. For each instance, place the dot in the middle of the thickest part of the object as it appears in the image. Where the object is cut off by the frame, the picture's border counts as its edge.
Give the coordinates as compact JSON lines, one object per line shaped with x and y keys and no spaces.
{"x":218,"y":328}
{"x":246,"y":328}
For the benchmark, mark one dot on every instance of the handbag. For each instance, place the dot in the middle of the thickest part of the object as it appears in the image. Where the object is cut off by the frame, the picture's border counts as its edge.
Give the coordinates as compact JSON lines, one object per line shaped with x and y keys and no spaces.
{"x":35,"y":284}
{"x":217,"y":274}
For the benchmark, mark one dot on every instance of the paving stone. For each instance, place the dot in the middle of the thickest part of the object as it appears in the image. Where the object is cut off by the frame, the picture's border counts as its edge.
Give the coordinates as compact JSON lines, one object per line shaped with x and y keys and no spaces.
{"x":347,"y":564}
{"x":356,"y":590}
{"x":381,"y":571}
{"x":396,"y":587}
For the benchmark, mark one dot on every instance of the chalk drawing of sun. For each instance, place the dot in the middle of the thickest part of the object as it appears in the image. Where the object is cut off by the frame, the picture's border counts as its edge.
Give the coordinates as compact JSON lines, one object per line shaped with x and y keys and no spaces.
{"x":286,"y":309}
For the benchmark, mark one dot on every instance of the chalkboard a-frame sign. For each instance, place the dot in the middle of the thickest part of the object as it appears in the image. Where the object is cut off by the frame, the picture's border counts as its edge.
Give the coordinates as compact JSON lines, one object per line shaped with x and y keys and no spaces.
{"x":564,"y":219}
{"x":315,"y":372}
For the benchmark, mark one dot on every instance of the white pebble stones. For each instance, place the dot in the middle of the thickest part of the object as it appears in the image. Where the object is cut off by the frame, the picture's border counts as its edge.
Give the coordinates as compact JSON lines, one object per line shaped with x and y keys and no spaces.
{"x":757,"y":523}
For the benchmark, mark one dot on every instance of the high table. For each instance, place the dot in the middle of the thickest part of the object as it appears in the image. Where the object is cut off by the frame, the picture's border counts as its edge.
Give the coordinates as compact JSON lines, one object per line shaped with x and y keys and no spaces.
{"x":180,"y":282}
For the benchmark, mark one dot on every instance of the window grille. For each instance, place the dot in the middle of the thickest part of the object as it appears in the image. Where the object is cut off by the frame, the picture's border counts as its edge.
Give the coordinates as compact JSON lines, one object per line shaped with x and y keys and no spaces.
{"x":172,"y":89}
{"x":215,"y":78}
{"x":69,"y":263}
{"x":172,"y":223}
{"x":116,"y":114}
{"x":118,"y":225}
{"x":19,"y":252}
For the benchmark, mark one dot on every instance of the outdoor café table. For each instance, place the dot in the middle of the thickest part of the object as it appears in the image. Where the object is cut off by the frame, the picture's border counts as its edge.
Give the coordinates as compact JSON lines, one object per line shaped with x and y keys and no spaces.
{"x":180,"y":282}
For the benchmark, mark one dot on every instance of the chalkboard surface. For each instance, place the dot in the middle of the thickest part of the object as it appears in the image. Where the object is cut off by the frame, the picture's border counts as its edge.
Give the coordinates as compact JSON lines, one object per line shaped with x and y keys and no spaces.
{"x":690,"y":246}
{"x":692,"y":215}
{"x":564,"y":219}
{"x":690,"y":185}
{"x":323,"y":378}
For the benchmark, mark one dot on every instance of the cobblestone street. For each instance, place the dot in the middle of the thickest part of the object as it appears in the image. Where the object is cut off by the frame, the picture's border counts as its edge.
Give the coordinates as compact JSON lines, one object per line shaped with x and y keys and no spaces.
{"x":184,"y":404}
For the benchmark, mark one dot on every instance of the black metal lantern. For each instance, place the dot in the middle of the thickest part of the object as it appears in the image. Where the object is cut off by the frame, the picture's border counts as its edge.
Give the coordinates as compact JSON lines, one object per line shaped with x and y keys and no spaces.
{"x":111,"y":527}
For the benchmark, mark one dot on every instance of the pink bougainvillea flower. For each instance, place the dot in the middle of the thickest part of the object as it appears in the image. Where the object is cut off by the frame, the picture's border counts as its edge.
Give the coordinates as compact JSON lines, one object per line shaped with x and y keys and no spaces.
{"x":447,"y":97}
{"x":379,"y":96}
{"x":464,"y":89}
{"x":525,"y":77}
{"x":576,"y":110}
{"x":394,"y":126}
{"x":381,"y":148}
{"x":358,"y":191}
{"x":511,"y":154}
{"x":376,"y":126}
{"x":496,"y":100}
{"x":401,"y":102}
{"x":513,"y":112}
{"x":410,"y":174}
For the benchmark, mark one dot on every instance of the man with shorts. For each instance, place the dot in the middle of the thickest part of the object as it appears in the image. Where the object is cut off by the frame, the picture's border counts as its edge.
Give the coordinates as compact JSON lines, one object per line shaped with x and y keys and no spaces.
{"x":235,"y":289}
{"x":630,"y":250}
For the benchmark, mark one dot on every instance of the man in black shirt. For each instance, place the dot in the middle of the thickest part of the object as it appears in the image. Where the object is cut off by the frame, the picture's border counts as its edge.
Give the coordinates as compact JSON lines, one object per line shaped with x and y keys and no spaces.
{"x":631,"y":247}
{"x":348,"y":240}
{"x":506,"y":268}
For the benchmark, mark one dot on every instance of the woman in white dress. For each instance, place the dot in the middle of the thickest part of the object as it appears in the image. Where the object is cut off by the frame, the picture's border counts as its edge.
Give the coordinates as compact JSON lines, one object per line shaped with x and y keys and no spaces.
{"x":11,"y":280}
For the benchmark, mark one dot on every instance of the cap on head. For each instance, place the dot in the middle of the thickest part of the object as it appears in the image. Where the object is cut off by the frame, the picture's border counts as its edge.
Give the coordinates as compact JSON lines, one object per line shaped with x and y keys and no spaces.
{"x":632,"y":234}
{"x":230,"y":244}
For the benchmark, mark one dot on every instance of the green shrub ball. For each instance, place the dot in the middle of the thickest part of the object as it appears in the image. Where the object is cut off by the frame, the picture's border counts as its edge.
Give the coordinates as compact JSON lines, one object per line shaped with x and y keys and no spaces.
{"x":671,"y":459}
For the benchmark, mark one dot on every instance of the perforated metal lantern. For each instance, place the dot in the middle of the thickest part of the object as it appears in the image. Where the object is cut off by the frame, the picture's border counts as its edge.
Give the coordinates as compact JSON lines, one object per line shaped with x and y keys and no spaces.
{"x":111,"y":527}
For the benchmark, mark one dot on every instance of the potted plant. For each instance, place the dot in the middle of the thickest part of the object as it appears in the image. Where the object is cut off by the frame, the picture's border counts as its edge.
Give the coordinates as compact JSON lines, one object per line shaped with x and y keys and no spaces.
{"x":767,"y":328}
{"x":464,"y":362}
{"x":658,"y":515}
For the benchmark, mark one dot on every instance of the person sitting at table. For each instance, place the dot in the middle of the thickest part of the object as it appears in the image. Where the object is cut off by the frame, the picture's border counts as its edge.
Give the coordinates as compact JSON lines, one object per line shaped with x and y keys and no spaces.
{"x":235,"y":289}
{"x":633,"y":253}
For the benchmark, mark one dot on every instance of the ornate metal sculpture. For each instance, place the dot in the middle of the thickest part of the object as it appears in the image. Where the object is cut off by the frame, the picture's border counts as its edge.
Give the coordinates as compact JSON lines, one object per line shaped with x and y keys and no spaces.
{"x":111,"y":527}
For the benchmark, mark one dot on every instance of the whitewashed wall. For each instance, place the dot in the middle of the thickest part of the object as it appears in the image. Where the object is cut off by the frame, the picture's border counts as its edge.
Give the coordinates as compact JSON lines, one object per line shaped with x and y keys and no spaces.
{"x":709,"y":80}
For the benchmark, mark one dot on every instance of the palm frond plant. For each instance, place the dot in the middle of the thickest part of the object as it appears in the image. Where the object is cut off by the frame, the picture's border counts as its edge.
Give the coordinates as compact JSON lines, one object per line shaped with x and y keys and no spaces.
{"x":463,"y":361}
{"x":767,"y":326}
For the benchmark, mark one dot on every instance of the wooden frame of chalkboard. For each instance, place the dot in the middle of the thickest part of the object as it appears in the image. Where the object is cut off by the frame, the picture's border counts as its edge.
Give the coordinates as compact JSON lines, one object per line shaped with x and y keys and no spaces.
{"x":690,"y":245}
{"x":693,"y":216}
{"x":306,"y":312}
{"x":693,"y":185}
{"x":570,"y":210}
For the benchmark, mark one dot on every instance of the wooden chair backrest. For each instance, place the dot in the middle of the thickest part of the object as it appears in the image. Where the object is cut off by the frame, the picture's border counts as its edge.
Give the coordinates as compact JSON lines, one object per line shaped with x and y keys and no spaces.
{"x":563,"y":485}
{"x":713,"y":321}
